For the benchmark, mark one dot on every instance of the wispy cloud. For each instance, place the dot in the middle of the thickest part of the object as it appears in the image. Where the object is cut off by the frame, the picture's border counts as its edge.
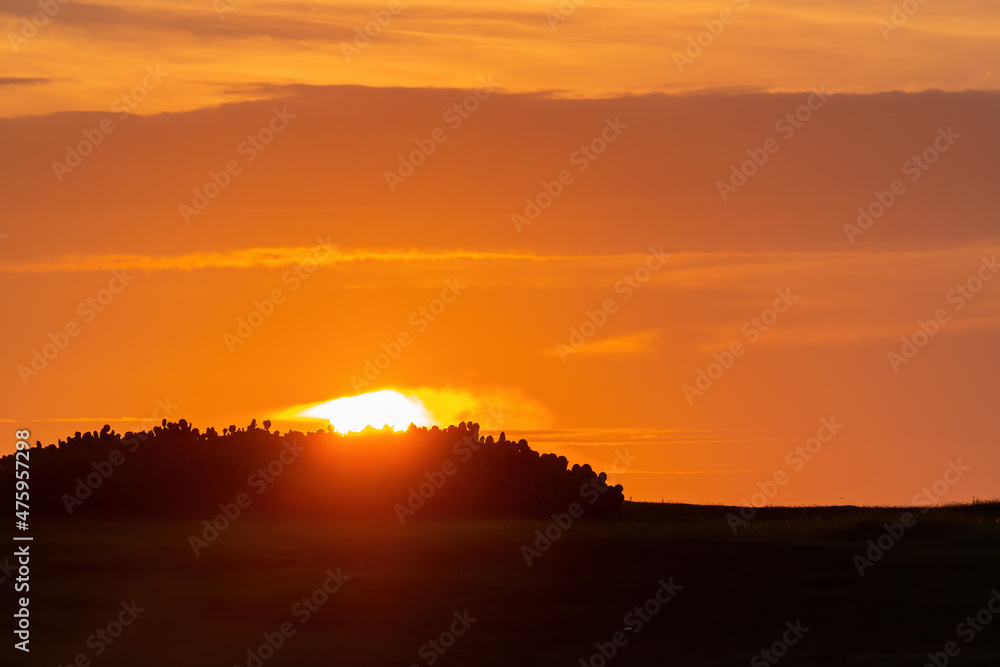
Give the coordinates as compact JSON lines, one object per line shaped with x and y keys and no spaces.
{"x":641,"y":342}
{"x":250,"y":258}
{"x":23,"y":80}
{"x":684,"y":472}
{"x":605,"y":48}
{"x":44,"y":420}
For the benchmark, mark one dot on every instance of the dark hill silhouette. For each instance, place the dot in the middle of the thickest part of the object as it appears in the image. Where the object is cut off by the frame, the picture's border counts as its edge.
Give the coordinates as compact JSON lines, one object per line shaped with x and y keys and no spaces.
{"x":176,"y":471}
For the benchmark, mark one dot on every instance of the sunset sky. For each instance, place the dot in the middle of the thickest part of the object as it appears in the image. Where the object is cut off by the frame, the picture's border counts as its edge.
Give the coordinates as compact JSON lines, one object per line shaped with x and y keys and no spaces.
{"x":485,"y":180}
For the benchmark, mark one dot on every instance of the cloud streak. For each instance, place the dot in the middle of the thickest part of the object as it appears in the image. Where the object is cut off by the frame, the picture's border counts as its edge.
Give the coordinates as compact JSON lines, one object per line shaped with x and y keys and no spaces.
{"x":273,"y":258}
{"x":606,"y":48}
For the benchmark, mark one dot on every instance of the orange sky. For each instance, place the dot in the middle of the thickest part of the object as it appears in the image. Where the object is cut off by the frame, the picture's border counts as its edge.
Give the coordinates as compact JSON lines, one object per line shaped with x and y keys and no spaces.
{"x":640,"y":153}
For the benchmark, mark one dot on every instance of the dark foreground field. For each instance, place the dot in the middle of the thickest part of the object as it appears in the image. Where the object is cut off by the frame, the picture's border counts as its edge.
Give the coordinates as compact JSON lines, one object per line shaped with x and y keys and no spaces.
{"x":403,"y":586}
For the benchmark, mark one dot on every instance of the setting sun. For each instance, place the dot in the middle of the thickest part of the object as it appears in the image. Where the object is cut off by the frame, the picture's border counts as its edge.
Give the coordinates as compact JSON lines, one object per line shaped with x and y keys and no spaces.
{"x":378,"y":408}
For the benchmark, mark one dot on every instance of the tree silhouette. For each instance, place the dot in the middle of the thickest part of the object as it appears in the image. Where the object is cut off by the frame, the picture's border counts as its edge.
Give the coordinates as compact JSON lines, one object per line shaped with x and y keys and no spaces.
{"x":177,"y":471}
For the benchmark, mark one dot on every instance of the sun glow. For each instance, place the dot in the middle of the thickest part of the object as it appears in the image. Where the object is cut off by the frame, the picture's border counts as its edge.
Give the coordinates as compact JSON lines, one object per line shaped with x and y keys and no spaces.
{"x":379,"y":409}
